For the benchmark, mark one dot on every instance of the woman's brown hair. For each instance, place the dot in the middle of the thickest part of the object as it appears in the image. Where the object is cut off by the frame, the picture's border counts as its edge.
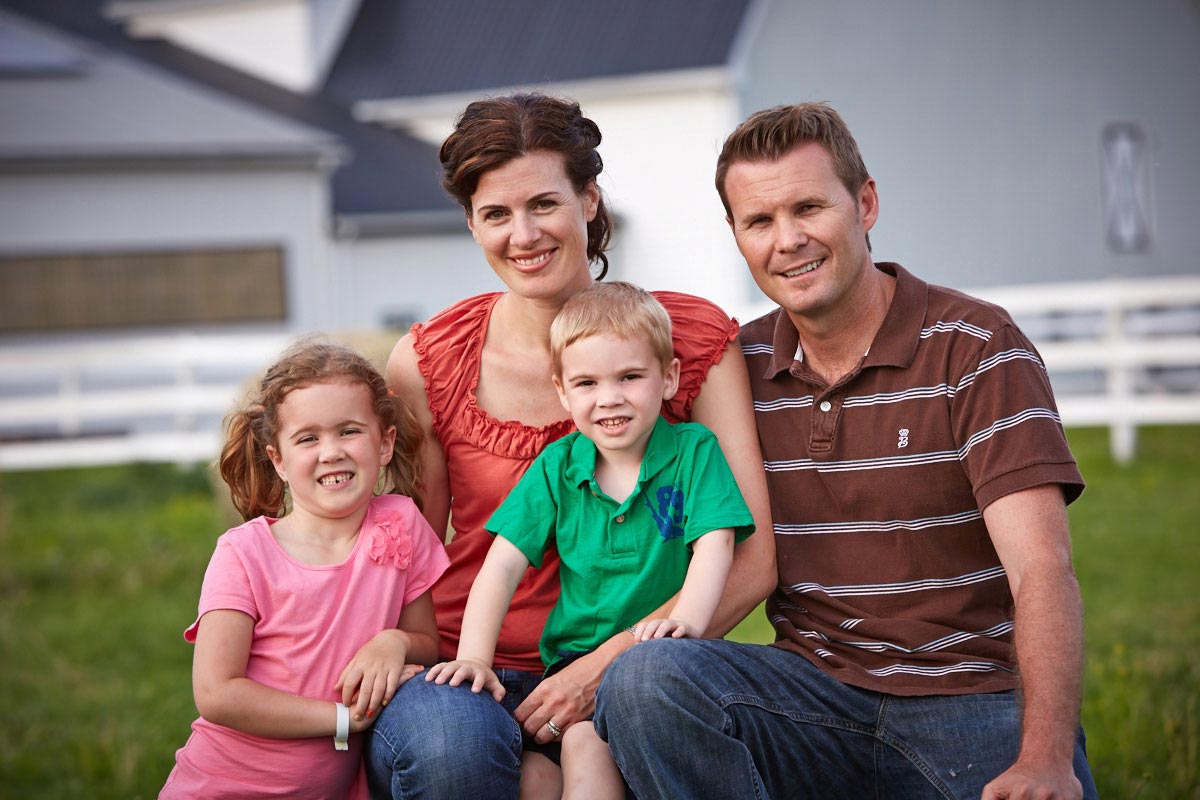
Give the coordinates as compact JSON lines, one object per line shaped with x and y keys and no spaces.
{"x":246,"y":468}
{"x":493,"y":131}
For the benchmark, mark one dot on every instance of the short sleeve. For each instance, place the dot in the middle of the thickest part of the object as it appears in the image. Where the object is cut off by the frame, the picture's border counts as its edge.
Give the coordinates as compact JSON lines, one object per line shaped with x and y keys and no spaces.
{"x":429,"y":558}
{"x":1006,"y":423}
{"x":528,"y":515}
{"x":226,"y":586}
{"x":714,"y":500}
{"x":701,"y":332}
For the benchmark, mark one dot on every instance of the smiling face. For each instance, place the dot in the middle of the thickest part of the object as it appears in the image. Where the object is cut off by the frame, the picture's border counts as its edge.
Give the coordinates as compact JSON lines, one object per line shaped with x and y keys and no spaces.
{"x":803,"y":235}
{"x":330,"y":448}
{"x":532,"y":226}
{"x":614,"y":390}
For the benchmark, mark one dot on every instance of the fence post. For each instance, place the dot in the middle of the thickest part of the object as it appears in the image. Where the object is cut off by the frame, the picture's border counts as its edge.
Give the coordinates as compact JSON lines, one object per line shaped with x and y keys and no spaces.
{"x":70,"y":387}
{"x":1122,"y":433}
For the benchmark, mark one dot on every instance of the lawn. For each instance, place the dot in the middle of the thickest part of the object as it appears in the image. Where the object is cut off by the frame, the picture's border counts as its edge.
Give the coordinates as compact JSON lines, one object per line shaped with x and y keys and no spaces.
{"x":100,"y":570}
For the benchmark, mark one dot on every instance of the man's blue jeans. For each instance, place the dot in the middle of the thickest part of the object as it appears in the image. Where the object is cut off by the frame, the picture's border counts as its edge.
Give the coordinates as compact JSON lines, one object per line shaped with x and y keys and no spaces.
{"x":690,"y":718}
{"x":439,"y":742}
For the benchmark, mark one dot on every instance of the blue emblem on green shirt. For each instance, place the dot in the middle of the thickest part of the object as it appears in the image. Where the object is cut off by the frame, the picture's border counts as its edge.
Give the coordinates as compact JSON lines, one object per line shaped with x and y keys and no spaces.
{"x":669,"y":513}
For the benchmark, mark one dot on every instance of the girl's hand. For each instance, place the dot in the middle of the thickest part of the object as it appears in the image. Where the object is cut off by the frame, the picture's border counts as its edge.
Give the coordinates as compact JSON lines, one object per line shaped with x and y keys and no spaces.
{"x":371,"y":678}
{"x":662,"y":628}
{"x":460,"y":670}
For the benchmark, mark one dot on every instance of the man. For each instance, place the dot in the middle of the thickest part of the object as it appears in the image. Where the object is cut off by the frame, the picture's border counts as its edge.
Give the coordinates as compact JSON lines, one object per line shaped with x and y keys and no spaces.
{"x":928,"y":622}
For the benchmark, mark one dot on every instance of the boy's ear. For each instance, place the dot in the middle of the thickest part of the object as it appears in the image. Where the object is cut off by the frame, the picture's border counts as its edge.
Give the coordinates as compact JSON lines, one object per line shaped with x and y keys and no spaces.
{"x":671,"y":379}
{"x":562,"y":395}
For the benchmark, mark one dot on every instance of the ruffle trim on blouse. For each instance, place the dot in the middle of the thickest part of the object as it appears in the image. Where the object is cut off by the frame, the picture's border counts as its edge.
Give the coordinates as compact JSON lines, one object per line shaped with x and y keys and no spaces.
{"x":449,"y":354}
{"x":391,"y":542}
{"x":453,"y":340}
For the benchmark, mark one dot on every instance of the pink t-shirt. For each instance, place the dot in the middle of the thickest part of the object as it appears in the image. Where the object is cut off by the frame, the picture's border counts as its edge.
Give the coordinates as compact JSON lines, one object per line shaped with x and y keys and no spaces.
{"x":309,"y":621}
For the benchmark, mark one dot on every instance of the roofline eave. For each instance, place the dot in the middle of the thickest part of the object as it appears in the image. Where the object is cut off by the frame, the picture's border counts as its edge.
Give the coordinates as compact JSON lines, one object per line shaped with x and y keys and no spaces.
{"x":383,"y":224}
{"x":324,"y":159}
{"x":396,"y":111}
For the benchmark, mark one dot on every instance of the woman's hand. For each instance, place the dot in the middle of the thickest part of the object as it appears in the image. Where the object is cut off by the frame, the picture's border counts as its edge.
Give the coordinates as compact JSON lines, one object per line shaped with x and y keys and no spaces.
{"x":371,"y":678}
{"x":566,"y":697}
{"x":462,"y":670}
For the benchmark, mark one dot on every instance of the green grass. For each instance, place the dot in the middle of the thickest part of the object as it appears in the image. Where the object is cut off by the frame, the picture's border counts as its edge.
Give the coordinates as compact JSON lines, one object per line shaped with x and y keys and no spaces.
{"x":100,"y":572}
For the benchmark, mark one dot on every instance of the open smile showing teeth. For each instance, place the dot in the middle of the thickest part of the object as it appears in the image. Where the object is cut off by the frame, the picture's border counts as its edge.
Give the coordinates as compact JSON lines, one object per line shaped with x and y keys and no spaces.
{"x":533,"y":261}
{"x":334,"y":480}
{"x":612,"y":422}
{"x":809,"y":267}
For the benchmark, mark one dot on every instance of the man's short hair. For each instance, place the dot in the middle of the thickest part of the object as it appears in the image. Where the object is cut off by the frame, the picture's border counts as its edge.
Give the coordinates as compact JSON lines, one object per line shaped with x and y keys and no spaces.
{"x":771,"y":134}
{"x":616,"y":308}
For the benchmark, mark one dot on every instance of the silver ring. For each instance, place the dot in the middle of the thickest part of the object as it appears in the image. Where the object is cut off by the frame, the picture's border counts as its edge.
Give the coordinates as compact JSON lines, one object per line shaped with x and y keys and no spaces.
{"x":555,"y":731}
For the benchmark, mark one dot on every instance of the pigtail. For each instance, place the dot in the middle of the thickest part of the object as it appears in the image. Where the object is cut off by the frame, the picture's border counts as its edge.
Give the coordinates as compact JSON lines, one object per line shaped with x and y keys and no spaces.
{"x":403,"y":471}
{"x":254,"y":486}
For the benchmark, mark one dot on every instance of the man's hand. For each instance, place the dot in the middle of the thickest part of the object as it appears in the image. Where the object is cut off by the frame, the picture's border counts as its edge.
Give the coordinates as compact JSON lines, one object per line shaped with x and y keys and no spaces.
{"x":1021,"y":782}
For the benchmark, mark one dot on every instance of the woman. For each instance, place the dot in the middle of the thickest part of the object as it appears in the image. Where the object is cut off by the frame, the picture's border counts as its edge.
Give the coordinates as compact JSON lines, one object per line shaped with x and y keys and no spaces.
{"x":477,"y":375}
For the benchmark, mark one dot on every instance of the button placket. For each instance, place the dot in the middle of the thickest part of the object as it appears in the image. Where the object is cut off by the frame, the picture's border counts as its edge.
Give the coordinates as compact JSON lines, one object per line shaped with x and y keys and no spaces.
{"x":824,"y":422}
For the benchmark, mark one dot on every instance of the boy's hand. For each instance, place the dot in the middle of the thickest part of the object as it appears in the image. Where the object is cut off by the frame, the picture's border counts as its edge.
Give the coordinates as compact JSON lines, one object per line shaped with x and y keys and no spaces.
{"x":662,"y":628}
{"x":371,"y":678}
{"x":478,"y":673}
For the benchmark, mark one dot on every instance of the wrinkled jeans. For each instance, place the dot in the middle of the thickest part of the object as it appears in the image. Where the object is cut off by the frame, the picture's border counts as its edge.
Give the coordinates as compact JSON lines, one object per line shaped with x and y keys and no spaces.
{"x":690,"y":718}
{"x":438,"y":741}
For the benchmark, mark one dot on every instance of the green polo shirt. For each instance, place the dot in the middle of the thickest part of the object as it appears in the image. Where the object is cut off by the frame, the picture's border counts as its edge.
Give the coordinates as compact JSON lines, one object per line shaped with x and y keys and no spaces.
{"x":620,"y":561}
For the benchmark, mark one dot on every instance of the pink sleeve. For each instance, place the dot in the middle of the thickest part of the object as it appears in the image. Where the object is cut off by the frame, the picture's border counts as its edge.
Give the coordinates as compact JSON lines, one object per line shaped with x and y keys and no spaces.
{"x":226,"y":586}
{"x":429,"y":558}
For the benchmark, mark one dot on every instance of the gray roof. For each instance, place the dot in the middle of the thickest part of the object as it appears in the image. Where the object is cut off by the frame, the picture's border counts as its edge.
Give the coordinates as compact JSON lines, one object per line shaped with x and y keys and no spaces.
{"x":228,"y":114}
{"x":406,"y":48}
{"x":66,"y":100}
{"x":138,"y":98}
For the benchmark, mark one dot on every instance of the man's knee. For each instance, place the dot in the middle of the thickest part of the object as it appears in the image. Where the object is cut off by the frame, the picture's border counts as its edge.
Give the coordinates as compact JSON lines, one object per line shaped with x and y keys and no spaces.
{"x":636,"y":684}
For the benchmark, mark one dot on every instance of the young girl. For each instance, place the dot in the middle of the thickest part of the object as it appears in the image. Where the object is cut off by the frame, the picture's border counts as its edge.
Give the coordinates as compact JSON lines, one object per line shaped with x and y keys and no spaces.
{"x":308,"y":618}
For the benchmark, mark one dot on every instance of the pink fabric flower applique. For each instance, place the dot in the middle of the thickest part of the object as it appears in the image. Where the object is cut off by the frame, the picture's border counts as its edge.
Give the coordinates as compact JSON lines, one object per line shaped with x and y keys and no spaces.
{"x":391,"y":542}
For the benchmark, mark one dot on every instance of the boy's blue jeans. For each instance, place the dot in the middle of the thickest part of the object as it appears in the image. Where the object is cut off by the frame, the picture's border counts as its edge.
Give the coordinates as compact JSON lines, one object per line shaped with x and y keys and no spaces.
{"x":690,"y":718}
{"x":436,"y":741}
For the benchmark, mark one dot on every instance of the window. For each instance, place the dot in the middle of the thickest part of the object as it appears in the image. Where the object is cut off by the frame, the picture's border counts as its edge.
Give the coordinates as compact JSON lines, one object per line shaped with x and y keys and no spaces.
{"x":104,"y":290}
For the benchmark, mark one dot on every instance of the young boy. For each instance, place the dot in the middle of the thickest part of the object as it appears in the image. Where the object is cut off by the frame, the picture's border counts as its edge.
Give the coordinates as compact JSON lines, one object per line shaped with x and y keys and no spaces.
{"x":623,"y":499}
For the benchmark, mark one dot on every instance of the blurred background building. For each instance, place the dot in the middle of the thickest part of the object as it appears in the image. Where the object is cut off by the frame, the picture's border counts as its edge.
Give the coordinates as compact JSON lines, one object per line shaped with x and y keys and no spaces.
{"x":232,"y":172}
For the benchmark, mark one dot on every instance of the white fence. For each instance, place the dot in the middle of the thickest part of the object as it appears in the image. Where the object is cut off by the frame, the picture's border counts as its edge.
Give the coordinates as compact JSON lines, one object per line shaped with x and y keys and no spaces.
{"x":124,"y":399}
{"x":1121,"y":353}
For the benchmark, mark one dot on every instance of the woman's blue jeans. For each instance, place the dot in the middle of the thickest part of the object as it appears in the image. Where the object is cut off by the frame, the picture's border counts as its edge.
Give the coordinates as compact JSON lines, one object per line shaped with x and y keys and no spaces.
{"x":438,"y":741}
{"x":708,"y":718}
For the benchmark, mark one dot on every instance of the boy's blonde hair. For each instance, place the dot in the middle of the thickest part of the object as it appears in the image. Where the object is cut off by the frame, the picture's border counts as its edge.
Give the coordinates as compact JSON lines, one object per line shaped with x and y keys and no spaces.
{"x":617,"y":308}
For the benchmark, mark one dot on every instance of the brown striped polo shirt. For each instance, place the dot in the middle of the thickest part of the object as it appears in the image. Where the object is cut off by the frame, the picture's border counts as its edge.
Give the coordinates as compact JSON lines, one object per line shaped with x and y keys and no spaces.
{"x":887,"y":577}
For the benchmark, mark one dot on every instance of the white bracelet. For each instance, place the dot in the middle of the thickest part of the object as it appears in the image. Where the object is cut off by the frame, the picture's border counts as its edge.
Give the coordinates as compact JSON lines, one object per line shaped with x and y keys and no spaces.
{"x":343,"y":728}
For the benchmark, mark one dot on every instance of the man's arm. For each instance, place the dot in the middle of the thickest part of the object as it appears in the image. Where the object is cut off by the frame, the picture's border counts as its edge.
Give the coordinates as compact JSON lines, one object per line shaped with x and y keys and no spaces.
{"x":1029,"y":531}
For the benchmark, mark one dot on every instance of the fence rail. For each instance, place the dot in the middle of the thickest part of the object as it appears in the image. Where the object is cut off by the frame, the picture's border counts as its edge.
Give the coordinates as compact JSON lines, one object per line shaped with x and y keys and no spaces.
{"x":1120,"y":353}
{"x":124,"y":399}
{"x":1141,"y":336}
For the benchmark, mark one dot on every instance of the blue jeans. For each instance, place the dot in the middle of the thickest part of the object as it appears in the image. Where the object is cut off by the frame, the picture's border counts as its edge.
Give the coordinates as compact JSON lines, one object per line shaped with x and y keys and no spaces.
{"x":443,"y":741}
{"x":701,"y":718}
